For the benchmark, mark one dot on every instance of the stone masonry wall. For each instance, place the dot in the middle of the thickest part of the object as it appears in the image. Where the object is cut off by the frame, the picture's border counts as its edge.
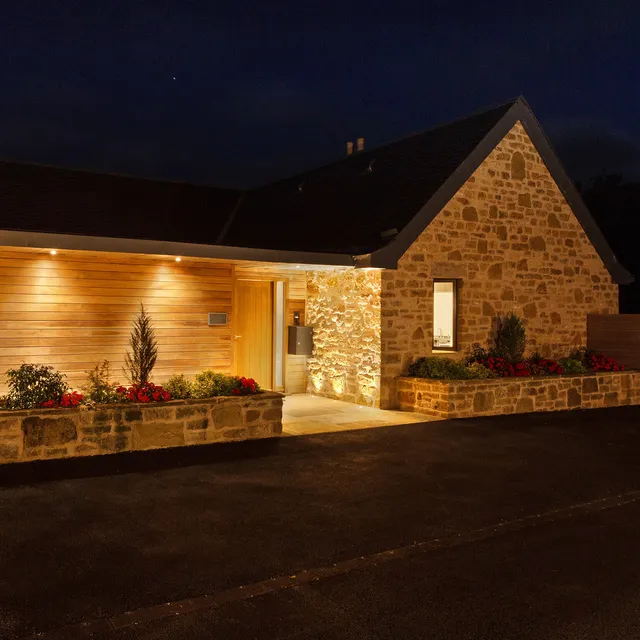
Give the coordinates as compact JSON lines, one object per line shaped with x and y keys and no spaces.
{"x":40,"y":434}
{"x":467,"y":398}
{"x":343,"y":307}
{"x":515,"y":244}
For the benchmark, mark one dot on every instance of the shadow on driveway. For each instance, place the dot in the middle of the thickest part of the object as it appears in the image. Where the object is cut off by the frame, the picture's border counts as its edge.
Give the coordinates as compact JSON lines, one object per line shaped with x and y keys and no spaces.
{"x":128,"y":531}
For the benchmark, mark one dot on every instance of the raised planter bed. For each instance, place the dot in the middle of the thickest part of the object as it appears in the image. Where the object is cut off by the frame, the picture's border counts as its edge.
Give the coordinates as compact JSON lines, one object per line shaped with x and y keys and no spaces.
{"x":39,"y":434}
{"x":468,"y":398}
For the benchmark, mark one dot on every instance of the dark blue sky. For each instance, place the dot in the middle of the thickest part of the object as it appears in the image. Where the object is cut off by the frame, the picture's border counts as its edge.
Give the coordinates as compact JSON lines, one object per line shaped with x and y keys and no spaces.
{"x":264,"y":89}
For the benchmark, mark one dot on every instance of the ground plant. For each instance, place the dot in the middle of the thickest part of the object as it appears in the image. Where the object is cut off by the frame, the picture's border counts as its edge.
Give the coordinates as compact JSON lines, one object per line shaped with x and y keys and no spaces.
{"x":98,"y":388}
{"x":510,"y":338}
{"x":31,"y":385}
{"x":139,"y":362}
{"x":144,"y":393}
{"x":505,"y":359}
{"x":179,"y":386}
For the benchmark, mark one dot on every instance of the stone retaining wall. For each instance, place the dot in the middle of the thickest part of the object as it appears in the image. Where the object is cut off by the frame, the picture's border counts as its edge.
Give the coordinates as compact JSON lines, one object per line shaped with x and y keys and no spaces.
{"x":467,"y":398}
{"x":39,"y":434}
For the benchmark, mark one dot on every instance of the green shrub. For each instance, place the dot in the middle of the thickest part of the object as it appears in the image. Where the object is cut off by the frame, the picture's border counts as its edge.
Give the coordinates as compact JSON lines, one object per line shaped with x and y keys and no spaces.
{"x":438,"y":368}
{"x":32,"y":384}
{"x":209,"y":384}
{"x":99,"y":388}
{"x":476,"y":353}
{"x":478,"y":371}
{"x":179,"y":386}
{"x":572,"y":365}
{"x":144,"y":349}
{"x":510,"y":338}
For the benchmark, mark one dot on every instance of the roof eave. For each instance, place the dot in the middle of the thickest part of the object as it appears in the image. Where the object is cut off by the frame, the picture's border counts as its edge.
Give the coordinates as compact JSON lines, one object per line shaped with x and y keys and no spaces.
{"x":10,"y":238}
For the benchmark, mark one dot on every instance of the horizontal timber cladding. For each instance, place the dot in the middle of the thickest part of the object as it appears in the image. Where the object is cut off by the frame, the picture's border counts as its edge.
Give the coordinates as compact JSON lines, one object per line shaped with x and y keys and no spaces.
{"x":75,"y":308}
{"x":617,"y":336}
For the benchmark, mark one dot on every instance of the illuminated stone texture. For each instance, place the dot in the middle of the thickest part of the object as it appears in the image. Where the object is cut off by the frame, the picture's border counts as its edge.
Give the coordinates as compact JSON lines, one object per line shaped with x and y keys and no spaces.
{"x":65,"y":433}
{"x":467,"y":398}
{"x":343,"y":307}
{"x":514,"y":242}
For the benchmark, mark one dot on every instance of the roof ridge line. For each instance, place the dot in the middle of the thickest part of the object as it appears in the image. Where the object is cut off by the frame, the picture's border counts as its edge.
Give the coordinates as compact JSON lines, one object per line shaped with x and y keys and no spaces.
{"x":359,"y":154}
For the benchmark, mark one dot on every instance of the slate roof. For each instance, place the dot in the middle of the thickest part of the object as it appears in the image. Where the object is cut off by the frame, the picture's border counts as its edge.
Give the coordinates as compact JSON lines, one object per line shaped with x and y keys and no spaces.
{"x":347,"y":206}
{"x":55,"y":200}
{"x":365,"y":209}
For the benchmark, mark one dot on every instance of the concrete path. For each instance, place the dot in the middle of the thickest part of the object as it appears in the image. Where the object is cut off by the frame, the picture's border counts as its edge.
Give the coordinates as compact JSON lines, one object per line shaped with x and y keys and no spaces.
{"x":514,"y":527}
{"x":305,"y":414}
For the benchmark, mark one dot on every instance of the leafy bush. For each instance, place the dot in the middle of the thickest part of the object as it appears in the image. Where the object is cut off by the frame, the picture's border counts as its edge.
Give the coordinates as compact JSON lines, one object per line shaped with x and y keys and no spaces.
{"x":439,"y":368}
{"x":31,"y":385}
{"x":510,"y":338}
{"x":144,"y":349}
{"x":209,"y":384}
{"x":571,"y":365}
{"x":594,"y":361}
{"x":144,"y":393}
{"x":179,"y":386}
{"x":476,"y":354}
{"x":476,"y":370}
{"x":99,"y":388}
{"x":544,"y":366}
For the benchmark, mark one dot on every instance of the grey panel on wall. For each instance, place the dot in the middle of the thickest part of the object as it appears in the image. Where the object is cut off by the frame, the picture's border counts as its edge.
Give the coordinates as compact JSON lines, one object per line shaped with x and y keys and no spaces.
{"x":300,"y":341}
{"x":217,"y":319}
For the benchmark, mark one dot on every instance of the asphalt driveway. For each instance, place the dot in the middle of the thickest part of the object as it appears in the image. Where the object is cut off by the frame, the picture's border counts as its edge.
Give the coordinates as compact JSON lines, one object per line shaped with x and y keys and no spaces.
{"x":99,"y":544}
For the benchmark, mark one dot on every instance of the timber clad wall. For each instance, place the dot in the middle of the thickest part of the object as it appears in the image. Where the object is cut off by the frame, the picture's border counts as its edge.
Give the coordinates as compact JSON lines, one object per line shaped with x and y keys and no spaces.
{"x":617,"y":336}
{"x":515,"y":244}
{"x":73,"y":309}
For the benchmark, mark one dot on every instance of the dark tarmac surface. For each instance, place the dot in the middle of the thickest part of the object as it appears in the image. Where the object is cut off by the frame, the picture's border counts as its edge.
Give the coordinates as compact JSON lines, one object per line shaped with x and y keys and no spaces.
{"x":103,"y":539}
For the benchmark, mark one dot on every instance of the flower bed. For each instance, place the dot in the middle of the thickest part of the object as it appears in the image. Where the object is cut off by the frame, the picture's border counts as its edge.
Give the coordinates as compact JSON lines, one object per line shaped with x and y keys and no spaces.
{"x":468,"y":398}
{"x":41,"y":433}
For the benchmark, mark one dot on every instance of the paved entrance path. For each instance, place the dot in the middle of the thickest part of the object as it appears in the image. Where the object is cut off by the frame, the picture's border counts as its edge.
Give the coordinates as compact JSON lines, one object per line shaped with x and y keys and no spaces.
{"x":305,"y":414}
{"x":91,"y":549}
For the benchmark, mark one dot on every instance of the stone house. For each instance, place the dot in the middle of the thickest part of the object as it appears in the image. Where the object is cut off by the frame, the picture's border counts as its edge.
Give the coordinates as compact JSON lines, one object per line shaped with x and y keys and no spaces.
{"x":404,"y":250}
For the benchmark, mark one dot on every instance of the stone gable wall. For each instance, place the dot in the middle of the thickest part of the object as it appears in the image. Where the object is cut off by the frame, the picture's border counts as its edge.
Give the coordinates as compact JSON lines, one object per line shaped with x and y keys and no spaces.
{"x":467,"y":398}
{"x":515,"y":244}
{"x":40,"y":434}
{"x":343,"y":307}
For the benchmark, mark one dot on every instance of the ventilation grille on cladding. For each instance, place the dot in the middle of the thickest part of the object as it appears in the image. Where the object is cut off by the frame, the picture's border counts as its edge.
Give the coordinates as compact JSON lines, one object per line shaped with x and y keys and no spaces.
{"x":216,"y":319}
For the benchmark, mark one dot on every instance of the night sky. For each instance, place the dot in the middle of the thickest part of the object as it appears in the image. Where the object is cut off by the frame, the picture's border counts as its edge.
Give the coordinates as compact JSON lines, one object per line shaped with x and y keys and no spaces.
{"x":241,"y":95}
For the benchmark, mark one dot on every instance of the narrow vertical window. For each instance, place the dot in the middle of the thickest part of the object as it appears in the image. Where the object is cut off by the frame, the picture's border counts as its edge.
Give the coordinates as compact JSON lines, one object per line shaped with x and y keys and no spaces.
{"x":279,"y":336}
{"x":445,"y":319}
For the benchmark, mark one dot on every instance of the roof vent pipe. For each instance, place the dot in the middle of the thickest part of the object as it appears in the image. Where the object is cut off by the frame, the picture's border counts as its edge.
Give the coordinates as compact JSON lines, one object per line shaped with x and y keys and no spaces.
{"x":349,"y":148}
{"x":360,"y":144}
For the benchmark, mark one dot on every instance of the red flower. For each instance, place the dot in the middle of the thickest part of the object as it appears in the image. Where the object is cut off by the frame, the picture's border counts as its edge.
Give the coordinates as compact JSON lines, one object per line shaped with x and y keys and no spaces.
{"x":236,"y":392}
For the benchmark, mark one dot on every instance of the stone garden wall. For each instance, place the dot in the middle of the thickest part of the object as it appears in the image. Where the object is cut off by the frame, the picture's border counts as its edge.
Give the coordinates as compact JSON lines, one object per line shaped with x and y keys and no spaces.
{"x":63,"y":433}
{"x":511,"y":238}
{"x":467,"y":398}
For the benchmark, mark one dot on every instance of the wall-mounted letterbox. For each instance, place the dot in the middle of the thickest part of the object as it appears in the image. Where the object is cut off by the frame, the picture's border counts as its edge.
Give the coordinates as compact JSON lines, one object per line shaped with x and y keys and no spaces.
{"x":300,"y":340}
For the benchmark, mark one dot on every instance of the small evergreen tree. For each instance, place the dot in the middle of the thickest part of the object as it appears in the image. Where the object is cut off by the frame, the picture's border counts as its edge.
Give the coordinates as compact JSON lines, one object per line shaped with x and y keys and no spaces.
{"x":510,"y":338}
{"x":144,"y":349}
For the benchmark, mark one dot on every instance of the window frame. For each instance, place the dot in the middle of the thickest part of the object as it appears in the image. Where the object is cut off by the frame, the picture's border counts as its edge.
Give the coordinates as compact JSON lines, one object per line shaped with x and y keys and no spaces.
{"x":454,"y":282}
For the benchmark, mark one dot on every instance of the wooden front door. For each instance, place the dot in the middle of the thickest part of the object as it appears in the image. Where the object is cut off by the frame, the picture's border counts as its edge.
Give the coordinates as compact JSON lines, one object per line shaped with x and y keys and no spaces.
{"x":253,"y":331}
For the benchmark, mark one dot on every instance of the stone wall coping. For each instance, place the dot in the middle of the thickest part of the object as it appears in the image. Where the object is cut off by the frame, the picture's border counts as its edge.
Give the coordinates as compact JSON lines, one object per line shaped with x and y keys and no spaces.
{"x":17,"y":413}
{"x":501,"y":380}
